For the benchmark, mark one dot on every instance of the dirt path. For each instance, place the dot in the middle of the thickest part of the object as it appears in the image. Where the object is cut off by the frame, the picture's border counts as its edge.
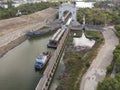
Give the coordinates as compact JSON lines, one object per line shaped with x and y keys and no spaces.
{"x":97,"y":70}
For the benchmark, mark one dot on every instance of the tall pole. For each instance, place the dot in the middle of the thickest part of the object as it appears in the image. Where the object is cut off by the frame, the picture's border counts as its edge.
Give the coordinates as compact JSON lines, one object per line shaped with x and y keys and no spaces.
{"x":84,"y":20}
{"x":83,"y":27}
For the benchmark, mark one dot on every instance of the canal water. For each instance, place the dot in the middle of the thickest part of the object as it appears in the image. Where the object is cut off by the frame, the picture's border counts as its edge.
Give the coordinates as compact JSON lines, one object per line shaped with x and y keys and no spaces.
{"x":17,"y":66}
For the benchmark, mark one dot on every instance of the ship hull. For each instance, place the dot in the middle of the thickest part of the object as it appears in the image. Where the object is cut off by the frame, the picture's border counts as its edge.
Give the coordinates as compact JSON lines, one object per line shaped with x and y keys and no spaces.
{"x":39,"y":67}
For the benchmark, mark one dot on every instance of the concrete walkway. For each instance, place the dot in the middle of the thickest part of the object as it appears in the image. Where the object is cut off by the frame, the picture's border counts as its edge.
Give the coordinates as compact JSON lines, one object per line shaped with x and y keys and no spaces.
{"x":97,"y":70}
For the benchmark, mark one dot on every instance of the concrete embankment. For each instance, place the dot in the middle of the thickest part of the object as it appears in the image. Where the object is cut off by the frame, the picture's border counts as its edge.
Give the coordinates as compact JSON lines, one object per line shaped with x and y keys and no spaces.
{"x":4,"y":49}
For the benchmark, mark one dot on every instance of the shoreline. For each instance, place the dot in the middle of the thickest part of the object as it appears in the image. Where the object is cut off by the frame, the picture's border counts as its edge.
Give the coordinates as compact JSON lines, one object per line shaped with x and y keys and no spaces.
{"x":6,"y":48}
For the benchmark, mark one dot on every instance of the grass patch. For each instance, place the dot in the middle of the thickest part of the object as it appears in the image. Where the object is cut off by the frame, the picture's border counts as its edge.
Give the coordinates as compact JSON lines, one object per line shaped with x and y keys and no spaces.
{"x":118,"y":34}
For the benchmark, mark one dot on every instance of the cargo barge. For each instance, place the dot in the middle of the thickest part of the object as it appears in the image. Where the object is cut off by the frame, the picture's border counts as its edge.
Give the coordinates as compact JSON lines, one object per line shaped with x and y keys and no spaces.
{"x":54,"y":41}
{"x":33,"y":34}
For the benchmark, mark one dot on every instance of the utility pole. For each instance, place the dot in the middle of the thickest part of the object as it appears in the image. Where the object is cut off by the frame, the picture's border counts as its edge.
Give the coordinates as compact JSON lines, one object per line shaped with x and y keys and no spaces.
{"x":83,"y":26}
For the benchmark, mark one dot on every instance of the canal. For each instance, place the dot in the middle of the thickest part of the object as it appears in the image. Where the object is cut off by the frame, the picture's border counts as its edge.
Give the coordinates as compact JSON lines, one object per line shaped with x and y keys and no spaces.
{"x":17,"y":66}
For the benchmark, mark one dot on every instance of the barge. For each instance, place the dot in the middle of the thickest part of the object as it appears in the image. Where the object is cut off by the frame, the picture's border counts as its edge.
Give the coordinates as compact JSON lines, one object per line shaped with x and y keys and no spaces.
{"x":38,"y":33}
{"x":54,"y":41}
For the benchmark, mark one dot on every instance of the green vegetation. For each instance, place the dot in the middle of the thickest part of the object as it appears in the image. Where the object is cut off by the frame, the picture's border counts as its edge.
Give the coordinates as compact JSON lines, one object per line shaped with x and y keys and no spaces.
{"x":115,"y":62}
{"x":76,"y":63}
{"x":95,"y":16}
{"x":117,"y":27}
{"x":116,"y":54}
{"x":110,"y":69}
{"x":104,"y":4}
{"x":110,"y":83}
{"x":100,"y":16}
{"x":107,"y":4}
{"x":9,"y":3}
{"x":113,"y":11}
{"x":24,"y":9}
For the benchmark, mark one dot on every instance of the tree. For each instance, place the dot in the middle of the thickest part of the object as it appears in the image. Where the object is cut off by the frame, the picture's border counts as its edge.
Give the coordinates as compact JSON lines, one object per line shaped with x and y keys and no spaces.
{"x":24,"y":9}
{"x":117,"y":27}
{"x":109,"y":84}
{"x":9,"y":3}
{"x":118,"y":64}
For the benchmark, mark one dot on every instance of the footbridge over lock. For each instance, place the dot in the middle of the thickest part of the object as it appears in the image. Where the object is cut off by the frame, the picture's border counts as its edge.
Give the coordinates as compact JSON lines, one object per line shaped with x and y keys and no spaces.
{"x":70,"y":7}
{"x":53,"y":62}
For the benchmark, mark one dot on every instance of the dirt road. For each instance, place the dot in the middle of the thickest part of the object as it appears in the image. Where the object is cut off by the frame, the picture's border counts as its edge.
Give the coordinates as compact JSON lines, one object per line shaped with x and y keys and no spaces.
{"x":97,"y":70}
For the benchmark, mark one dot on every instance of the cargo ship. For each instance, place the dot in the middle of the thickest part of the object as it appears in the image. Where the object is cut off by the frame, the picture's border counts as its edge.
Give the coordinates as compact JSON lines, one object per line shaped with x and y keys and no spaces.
{"x":42,"y":60}
{"x":54,"y":41}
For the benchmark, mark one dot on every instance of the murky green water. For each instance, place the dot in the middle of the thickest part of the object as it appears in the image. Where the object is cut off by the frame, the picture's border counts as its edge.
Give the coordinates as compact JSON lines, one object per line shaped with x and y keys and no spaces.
{"x":17,"y":66}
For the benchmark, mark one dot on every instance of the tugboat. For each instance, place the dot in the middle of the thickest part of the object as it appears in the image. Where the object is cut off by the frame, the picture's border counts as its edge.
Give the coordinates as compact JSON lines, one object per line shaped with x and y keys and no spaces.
{"x":42,"y":59}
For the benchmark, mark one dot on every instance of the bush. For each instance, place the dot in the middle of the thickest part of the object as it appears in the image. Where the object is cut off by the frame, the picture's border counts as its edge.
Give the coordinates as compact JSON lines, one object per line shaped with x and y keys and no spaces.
{"x":109,"y":84}
{"x":118,"y":64}
{"x":25,"y":9}
{"x":109,"y":69}
{"x":87,"y":64}
{"x":117,"y":27}
{"x":116,"y":57}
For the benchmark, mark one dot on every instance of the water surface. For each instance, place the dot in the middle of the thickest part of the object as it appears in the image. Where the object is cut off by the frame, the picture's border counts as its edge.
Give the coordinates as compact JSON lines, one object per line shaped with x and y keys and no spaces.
{"x":17,"y":66}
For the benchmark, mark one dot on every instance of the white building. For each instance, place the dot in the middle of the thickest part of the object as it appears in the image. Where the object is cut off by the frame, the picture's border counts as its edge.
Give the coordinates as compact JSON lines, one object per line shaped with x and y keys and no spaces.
{"x":85,"y":4}
{"x":19,"y":2}
{"x":3,"y":5}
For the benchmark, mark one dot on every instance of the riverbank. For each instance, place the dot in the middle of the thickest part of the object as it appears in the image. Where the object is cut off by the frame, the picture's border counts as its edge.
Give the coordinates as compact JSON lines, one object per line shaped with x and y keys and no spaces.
{"x":4,"y":49}
{"x":13,"y":34}
{"x":77,"y":61}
